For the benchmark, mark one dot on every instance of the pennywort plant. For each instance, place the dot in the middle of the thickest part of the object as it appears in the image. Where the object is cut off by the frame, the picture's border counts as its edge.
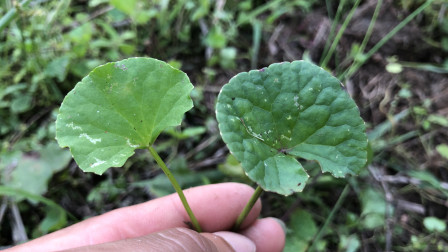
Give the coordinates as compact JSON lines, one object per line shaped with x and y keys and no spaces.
{"x":268,"y":118}
{"x":271,"y":117}
{"x":120,"y":107}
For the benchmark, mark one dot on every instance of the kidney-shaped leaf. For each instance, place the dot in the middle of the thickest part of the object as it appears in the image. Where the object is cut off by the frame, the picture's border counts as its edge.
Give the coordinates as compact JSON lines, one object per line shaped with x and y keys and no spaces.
{"x":270,"y":117}
{"x":119,"y":107}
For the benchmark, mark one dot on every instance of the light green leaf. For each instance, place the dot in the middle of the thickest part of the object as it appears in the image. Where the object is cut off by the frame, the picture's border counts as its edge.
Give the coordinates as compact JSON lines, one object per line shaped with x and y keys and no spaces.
{"x":232,"y":167}
{"x":295,"y":245}
{"x":119,"y":107}
{"x":394,"y":68}
{"x":58,"y":68}
{"x":302,"y":230}
{"x":272,"y":116}
{"x":349,"y":243}
{"x":216,"y":38}
{"x":21,"y":103}
{"x":303,"y":225}
{"x":443,"y":150}
{"x":54,"y":219}
{"x":187,"y":133}
{"x":127,"y":7}
{"x":428,"y":179}
{"x":33,"y":171}
{"x":437,"y":119}
{"x":57,"y":216}
{"x":434,"y":224}
{"x":374,"y":208}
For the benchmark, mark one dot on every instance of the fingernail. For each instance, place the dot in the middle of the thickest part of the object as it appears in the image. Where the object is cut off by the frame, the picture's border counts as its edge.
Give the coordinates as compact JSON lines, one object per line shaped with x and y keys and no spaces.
{"x":282,"y":224}
{"x":238,"y":242}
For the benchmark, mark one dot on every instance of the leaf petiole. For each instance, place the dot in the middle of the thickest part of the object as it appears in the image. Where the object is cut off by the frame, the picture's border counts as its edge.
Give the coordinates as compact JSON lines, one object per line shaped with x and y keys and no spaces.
{"x":247,"y":208}
{"x":176,"y":186}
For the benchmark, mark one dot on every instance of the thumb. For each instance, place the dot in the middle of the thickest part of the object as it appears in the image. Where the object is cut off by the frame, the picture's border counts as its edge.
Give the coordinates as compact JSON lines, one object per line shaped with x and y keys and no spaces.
{"x":177,"y":239}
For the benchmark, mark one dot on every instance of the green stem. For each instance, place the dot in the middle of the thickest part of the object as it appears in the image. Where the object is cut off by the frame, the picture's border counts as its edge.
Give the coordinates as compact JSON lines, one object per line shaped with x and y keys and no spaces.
{"x":176,"y":186}
{"x":371,"y":26}
{"x":339,"y":34}
{"x":12,"y":14}
{"x":387,"y":37}
{"x":334,"y":24}
{"x":247,"y":208}
{"x":360,"y":53}
{"x":256,"y":36}
{"x":330,"y":217}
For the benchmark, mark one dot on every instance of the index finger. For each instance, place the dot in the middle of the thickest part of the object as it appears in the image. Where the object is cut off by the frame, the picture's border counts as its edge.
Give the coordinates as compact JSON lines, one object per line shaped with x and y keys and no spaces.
{"x":215,"y":206}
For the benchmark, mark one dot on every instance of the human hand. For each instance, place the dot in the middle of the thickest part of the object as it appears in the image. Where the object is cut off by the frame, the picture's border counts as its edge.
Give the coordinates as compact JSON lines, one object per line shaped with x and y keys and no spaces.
{"x":161,"y":225}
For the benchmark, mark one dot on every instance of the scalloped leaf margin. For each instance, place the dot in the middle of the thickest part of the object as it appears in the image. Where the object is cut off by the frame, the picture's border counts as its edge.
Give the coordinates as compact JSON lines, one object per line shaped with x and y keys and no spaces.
{"x":270,"y":117}
{"x":119,"y":107}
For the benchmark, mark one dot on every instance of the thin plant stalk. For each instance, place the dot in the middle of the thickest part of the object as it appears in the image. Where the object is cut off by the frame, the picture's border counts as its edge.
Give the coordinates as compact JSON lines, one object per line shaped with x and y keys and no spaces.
{"x":247,"y":208}
{"x":339,"y":35}
{"x":332,"y":29}
{"x":384,"y":40}
{"x":256,"y":25}
{"x":329,"y":11}
{"x":359,"y":56}
{"x":336,"y":207}
{"x":371,"y":26}
{"x":12,"y":14}
{"x":176,"y":186}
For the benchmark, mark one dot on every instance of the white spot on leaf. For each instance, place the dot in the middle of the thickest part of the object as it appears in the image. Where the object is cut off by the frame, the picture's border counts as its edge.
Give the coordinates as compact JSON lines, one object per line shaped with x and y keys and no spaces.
{"x":92,"y":140}
{"x":255,"y":134}
{"x":121,"y":66}
{"x":98,"y":162}
{"x":71,"y":125}
{"x":296,"y":101}
{"x":285,"y":137}
{"x":267,"y":132}
{"x":132,"y":145}
{"x":250,"y":131}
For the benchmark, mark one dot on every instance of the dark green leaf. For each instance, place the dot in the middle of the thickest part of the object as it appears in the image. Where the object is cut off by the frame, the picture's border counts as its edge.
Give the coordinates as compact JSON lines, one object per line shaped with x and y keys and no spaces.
{"x":272,"y":116}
